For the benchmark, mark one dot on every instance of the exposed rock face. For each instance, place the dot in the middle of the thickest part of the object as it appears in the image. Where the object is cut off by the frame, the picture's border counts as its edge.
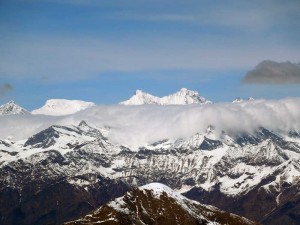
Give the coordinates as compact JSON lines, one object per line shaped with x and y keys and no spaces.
{"x":64,"y":172}
{"x":156,"y":204}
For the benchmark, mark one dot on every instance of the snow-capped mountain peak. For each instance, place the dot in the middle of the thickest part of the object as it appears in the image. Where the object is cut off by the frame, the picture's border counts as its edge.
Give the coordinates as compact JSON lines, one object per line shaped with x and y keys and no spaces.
{"x":182,"y":97}
{"x":158,"y":204}
{"x":158,"y":189}
{"x":11,"y":108}
{"x":60,"y":107}
{"x":141,"y":98}
{"x":237,"y":100}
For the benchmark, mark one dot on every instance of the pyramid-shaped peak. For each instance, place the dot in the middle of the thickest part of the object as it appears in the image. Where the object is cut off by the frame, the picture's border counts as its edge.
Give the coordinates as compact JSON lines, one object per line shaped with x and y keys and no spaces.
{"x":11,"y":108}
{"x":83,"y":124}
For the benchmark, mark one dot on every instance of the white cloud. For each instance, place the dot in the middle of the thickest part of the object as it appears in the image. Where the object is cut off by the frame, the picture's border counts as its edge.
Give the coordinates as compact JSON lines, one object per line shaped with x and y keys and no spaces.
{"x":136,"y":125}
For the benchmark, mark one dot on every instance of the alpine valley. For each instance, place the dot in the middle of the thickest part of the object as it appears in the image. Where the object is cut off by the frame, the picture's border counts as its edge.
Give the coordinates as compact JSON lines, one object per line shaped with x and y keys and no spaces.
{"x":197,"y":163}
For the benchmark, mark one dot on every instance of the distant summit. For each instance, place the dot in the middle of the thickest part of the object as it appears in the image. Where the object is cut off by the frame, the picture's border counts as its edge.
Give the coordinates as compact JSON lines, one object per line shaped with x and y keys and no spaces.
{"x":61,"y":107}
{"x":11,"y":108}
{"x":182,"y":97}
{"x":238,"y":100}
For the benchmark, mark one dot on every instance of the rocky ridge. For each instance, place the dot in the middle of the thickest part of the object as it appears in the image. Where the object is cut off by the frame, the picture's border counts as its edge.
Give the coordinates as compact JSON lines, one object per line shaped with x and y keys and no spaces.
{"x":251,"y":175}
{"x":156,"y":204}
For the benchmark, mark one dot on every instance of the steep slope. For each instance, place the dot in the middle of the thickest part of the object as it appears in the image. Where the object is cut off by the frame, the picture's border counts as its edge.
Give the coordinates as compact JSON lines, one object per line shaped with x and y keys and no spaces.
{"x":156,"y":203}
{"x":60,"y":107}
{"x":11,"y":108}
{"x":53,"y":176}
{"x":182,"y":97}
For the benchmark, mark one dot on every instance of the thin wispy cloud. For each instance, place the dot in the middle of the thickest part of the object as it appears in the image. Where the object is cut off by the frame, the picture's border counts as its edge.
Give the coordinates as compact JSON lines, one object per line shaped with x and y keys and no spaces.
{"x":79,"y":58}
{"x":248,"y":19}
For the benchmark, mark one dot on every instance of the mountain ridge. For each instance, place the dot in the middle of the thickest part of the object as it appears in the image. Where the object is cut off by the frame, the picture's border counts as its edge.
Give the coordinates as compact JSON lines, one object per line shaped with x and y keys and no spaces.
{"x":226,"y":172}
{"x":155,"y":204}
{"x":182,"y":97}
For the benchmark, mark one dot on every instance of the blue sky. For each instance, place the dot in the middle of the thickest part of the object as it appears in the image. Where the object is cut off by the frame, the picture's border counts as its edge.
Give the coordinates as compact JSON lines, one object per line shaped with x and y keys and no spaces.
{"x":102,"y":51}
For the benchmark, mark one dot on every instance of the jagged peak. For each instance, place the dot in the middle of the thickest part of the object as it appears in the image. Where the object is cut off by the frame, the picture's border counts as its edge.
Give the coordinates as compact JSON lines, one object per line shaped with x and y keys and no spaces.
{"x":11,"y":108}
{"x":84,"y":126}
{"x":182,"y":97}
{"x":83,"y":123}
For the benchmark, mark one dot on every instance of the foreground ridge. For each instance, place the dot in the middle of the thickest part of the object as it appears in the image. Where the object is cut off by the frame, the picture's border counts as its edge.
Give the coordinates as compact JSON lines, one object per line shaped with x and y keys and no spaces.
{"x":156,"y":203}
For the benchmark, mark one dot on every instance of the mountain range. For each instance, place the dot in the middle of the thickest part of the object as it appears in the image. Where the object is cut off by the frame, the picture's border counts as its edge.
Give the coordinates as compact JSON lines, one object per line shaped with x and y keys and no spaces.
{"x":77,"y":169}
{"x":65,"y":172}
{"x":61,"y":107}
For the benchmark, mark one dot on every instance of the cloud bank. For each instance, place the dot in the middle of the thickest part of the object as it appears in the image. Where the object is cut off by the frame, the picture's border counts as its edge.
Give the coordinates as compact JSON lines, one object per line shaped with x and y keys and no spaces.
{"x":270,"y":72}
{"x":136,"y":125}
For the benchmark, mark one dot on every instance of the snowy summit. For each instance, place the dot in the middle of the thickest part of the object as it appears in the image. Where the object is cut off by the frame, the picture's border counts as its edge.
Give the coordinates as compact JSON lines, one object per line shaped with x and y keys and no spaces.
{"x":61,"y":107}
{"x":182,"y":97}
{"x":11,"y":108}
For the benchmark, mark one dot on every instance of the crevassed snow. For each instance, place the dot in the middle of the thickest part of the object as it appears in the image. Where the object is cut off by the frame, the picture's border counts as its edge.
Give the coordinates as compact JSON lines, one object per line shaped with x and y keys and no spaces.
{"x":61,"y":107}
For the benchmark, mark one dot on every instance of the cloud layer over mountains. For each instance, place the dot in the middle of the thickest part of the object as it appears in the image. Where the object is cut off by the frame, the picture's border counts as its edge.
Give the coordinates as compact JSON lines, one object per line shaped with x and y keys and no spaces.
{"x":137,"y":125}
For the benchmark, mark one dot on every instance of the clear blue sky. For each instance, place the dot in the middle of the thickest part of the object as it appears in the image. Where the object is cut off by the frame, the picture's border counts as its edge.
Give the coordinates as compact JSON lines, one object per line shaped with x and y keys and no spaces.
{"x":103,"y":50}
